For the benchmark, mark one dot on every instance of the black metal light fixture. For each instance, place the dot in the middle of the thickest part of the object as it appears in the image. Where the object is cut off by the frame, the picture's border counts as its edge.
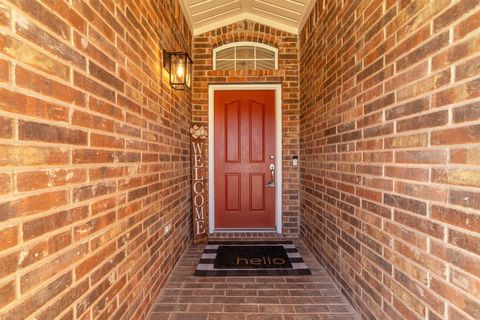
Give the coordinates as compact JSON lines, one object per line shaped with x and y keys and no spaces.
{"x":179,"y":67}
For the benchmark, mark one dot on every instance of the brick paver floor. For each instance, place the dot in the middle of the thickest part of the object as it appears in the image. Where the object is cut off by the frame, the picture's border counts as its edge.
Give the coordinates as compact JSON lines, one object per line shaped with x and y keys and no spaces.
{"x":312,"y":297}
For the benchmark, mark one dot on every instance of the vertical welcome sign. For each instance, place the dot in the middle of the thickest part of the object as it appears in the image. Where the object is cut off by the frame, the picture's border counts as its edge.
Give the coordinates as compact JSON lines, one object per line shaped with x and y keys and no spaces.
{"x":199,"y":183}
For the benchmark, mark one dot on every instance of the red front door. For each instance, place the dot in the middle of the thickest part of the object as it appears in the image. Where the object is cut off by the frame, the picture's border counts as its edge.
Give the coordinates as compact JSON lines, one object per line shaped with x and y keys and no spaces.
{"x":244,"y":152}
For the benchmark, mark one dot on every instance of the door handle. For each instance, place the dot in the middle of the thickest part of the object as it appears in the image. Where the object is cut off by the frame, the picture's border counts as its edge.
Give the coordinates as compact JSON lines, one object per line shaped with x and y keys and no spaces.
{"x":271,"y":183}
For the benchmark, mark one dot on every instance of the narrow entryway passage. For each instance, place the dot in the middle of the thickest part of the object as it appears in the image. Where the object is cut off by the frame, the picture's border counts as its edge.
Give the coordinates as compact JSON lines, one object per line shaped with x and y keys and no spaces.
{"x":246,"y":298}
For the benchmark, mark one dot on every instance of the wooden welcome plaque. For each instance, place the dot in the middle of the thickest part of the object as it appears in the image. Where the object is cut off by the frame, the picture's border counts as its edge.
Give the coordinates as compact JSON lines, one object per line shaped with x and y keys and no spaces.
{"x":199,"y":184}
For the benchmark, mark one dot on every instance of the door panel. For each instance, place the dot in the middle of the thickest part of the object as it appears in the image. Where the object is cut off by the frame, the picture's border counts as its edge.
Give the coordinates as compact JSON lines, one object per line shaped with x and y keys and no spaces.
{"x":257,"y":131}
{"x":257,"y":191}
{"x":232,"y":130}
{"x":233,"y":191}
{"x":244,"y":149}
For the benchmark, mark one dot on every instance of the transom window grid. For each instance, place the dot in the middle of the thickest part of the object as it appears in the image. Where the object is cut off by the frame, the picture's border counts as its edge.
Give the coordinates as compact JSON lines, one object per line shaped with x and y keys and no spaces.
{"x":245,"y":56}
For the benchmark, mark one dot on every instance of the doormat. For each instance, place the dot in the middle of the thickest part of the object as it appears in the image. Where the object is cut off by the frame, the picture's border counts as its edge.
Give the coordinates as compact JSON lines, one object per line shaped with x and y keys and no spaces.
{"x":251,"y":258}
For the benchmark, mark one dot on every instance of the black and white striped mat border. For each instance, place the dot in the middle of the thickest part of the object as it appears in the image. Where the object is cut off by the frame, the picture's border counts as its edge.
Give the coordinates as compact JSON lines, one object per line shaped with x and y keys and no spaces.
{"x":205,"y":267}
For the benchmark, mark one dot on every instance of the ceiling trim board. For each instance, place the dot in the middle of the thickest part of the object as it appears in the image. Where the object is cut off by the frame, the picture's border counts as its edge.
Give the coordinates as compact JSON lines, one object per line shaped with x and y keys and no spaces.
{"x":308,"y":9}
{"x":186,"y":13}
{"x":279,"y":14}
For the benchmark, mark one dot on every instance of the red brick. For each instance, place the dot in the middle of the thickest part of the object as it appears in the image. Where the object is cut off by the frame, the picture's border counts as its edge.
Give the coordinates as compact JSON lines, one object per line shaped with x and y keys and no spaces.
{"x":39,"y":12}
{"x":7,"y":293}
{"x":468,"y":25}
{"x":63,"y":65}
{"x":465,"y":220}
{"x":407,"y":77}
{"x":463,"y":240}
{"x":469,"y":112}
{"x":8,"y":264}
{"x":467,"y":69}
{"x":6,"y":128}
{"x":379,"y":103}
{"x":5,"y":184}
{"x":45,"y":224}
{"x":381,"y":130}
{"x":422,"y":191}
{"x":466,"y":282}
{"x":36,"y":277}
{"x":431,"y":83}
{"x":4,"y":70}
{"x":32,"y":156}
{"x":459,"y":93}
{"x":408,"y":108}
{"x":45,"y":249}
{"x":421,"y":258}
{"x":92,"y":156}
{"x":92,"y":262}
{"x":92,"y":191}
{"x":419,"y":36}
{"x":406,"y":302}
{"x":103,"y":141}
{"x":408,"y":235}
{"x":26,"y":54}
{"x":48,"y":87}
{"x":455,"y":53}
{"x":33,"y":180}
{"x":83,"y":45}
{"x":4,"y":15}
{"x":437,"y":43}
{"x":63,"y":302}
{"x":106,"y":173}
{"x":50,"y":43}
{"x":92,"y":226}
{"x":43,"y":296}
{"x":410,"y":141}
{"x":378,"y":183}
{"x":420,"y":225}
{"x":83,"y":119}
{"x":107,"y":78}
{"x":32,"y":204}
{"x":407,"y":204}
{"x":424,"y":121}
{"x":103,"y":205}
{"x":459,"y":299}
{"x":461,"y":177}
{"x":464,"y":198}
{"x":451,"y":15}
{"x":421,"y":157}
{"x":47,"y":133}
{"x":30,"y":106}
{"x":93,"y":87}
{"x":407,"y":173}
{"x":9,"y":236}
{"x":465,"y":261}
{"x":468,"y":155}
{"x":455,"y":314}
{"x":461,"y":135}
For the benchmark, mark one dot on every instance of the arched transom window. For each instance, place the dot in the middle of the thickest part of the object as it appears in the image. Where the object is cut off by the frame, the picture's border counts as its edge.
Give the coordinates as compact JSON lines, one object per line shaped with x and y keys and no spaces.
{"x":245,"y":56}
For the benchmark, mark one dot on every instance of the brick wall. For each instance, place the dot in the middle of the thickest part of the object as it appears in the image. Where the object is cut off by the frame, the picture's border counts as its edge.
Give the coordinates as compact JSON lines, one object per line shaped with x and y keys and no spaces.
{"x":390,"y":142}
{"x":287,"y":74}
{"x":94,"y":157}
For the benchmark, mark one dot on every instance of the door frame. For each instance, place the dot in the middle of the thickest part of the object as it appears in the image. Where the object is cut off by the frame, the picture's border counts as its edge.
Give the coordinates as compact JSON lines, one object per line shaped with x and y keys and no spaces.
{"x":277,"y":87}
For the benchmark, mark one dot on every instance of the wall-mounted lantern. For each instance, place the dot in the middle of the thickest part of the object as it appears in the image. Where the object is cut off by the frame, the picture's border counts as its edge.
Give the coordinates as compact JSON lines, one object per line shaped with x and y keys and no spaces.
{"x":179,"y":67}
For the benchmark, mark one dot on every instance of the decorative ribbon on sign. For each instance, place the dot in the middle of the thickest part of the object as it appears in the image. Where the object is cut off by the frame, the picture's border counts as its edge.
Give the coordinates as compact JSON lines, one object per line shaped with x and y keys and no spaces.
{"x":199,"y":183}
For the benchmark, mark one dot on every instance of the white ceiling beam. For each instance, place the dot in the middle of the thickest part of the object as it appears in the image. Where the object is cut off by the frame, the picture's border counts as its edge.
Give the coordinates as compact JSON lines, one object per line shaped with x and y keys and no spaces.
{"x":186,"y":13}
{"x":206,"y":15}
{"x":308,"y":9}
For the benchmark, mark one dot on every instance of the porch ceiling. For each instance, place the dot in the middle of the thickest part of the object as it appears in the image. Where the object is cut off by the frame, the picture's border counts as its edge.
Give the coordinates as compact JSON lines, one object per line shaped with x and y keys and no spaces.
{"x":205,"y":15}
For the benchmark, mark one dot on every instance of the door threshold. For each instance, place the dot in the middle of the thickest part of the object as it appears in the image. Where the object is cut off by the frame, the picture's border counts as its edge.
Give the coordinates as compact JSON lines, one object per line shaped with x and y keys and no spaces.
{"x":250,"y":230}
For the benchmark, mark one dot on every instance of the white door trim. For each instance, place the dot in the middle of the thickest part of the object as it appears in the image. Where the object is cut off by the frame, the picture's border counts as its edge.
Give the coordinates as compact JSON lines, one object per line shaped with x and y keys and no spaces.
{"x":278,"y":148}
